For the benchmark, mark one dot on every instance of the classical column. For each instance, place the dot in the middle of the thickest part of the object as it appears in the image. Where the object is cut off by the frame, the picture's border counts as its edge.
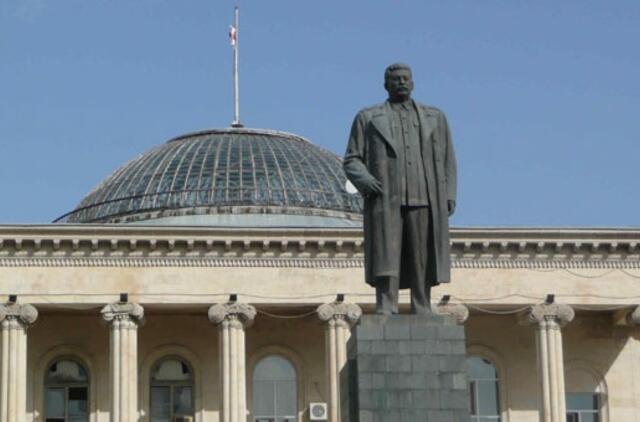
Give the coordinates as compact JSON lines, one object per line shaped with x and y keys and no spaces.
{"x":15,"y":319}
{"x":457,"y":312}
{"x":549,"y":319}
{"x":232,"y":318}
{"x":339,"y":317}
{"x":123,"y":318}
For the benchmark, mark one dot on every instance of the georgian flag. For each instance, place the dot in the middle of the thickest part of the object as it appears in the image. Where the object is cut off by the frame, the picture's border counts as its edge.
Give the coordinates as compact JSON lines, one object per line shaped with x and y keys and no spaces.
{"x":233,"y":35}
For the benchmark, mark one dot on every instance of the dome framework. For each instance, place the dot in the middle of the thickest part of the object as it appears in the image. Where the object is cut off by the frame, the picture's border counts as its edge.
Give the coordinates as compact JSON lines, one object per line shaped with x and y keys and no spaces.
{"x":222,"y":171}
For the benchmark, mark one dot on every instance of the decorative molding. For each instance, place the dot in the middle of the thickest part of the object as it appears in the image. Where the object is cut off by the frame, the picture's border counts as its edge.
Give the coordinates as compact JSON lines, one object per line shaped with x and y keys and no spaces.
{"x":349,"y":313}
{"x":232,"y":311}
{"x":539,"y":314}
{"x":26,"y":314}
{"x":184,"y":262}
{"x":308,"y":262}
{"x":456,"y":311}
{"x":546,"y":263}
{"x":139,"y":246}
{"x":122,"y":311}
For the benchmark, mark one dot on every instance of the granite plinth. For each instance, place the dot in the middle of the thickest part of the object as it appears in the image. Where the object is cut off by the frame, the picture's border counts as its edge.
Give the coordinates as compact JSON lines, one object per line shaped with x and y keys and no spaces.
{"x":405,"y":368}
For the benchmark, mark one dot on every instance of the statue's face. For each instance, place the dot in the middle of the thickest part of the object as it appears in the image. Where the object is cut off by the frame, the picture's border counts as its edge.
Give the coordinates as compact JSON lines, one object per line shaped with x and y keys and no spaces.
{"x":399,"y":84}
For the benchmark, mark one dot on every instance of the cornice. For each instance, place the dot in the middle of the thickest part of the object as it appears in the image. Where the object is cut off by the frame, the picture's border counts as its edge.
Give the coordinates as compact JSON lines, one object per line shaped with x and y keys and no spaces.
{"x":139,"y":246}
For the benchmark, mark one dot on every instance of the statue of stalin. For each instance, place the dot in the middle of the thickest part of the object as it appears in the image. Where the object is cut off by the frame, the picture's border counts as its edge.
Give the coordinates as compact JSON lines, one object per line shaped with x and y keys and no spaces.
{"x":400,"y":158}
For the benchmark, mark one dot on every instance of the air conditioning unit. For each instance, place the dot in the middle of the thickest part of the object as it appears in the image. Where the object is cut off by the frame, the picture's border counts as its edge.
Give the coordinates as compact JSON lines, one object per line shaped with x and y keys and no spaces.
{"x":183,"y":419}
{"x":318,"y":412}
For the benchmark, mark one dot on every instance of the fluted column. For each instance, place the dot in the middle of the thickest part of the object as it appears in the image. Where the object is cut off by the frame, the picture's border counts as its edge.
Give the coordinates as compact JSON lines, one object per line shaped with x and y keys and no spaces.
{"x":339,"y":317}
{"x":549,"y":319}
{"x":15,"y":319}
{"x":123,"y":319}
{"x":232,"y":318}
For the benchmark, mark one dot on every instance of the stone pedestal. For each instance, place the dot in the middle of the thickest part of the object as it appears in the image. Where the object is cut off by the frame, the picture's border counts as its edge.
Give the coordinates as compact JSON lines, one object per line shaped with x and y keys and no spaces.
{"x":405,"y":368}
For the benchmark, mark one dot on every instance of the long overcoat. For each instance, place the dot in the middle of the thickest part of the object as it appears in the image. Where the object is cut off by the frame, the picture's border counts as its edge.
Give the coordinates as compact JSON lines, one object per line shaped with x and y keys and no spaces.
{"x":372,"y":152}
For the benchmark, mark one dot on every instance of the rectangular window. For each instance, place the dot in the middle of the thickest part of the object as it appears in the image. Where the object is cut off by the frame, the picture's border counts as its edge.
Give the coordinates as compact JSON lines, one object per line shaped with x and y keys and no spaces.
{"x":182,"y":401}
{"x":161,"y":404}
{"x":77,"y":407}
{"x":583,"y":407}
{"x":55,"y":404}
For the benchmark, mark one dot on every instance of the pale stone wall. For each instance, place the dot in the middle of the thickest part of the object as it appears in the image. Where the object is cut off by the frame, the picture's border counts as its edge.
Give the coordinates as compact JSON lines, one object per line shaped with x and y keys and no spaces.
{"x":597,"y":355}
{"x":189,"y":336}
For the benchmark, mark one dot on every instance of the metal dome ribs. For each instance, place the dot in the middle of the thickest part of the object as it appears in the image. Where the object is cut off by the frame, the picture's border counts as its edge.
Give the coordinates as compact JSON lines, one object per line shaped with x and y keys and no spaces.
{"x":208,"y":170}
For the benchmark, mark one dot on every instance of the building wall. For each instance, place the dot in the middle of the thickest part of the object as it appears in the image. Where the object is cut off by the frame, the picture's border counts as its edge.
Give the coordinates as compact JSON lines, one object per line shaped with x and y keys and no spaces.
{"x":191,"y":337}
{"x":70,"y":272}
{"x":598,"y":356}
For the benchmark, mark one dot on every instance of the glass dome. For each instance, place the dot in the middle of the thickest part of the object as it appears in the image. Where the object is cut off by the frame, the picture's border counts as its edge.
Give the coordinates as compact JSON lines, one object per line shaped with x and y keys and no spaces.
{"x":234,"y":176}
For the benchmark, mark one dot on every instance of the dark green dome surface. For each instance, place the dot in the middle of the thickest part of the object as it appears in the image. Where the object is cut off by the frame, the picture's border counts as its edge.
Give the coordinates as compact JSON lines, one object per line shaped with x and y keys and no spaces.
{"x":231,"y":171}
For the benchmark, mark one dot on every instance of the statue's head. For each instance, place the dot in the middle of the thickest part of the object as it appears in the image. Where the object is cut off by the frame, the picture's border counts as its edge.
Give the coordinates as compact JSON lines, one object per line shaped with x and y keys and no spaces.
{"x":398,"y":82}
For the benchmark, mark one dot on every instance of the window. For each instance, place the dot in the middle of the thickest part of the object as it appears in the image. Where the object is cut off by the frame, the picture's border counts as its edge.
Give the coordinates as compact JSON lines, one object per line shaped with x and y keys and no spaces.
{"x":483,"y":390}
{"x":66,"y":392}
{"x":274,"y":391}
{"x":583,"y":407}
{"x":171,"y":391}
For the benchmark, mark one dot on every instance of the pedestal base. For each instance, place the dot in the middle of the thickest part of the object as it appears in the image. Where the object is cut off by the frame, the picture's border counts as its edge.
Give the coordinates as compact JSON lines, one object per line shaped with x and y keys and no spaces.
{"x":405,"y":368}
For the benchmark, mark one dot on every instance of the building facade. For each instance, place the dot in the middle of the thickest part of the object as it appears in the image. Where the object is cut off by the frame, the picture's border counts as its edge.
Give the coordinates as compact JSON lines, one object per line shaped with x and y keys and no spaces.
{"x":217,"y":277}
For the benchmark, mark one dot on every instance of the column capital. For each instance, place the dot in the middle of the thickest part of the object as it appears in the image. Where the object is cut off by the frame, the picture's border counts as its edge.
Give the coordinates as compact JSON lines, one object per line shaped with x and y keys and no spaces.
{"x":123,"y":311}
{"x":456,"y":311}
{"x":24,"y":313}
{"x":242,"y":313}
{"x":558,"y":313}
{"x":339,"y":312}
{"x":633,"y":317}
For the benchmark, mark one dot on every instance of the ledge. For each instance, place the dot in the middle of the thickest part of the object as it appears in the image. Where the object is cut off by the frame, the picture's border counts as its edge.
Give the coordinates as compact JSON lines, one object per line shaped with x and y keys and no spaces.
{"x":130,"y":245}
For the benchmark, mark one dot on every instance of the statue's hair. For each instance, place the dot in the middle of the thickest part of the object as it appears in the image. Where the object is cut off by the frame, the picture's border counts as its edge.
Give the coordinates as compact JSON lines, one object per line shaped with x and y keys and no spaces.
{"x":395,"y":66}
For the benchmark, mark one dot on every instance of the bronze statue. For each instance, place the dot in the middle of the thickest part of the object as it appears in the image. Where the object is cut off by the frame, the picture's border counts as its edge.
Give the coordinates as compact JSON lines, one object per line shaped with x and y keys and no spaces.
{"x":400,"y":158}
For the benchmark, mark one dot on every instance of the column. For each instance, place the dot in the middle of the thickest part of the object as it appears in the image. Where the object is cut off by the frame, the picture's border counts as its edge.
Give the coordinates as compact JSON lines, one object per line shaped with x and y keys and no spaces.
{"x":15,"y":319}
{"x":549,"y":319}
{"x":339,"y":317}
{"x":123,"y":318}
{"x":232,"y":318}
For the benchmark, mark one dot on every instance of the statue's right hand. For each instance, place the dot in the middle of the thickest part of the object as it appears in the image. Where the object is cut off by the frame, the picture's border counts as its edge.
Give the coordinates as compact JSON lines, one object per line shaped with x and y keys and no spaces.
{"x":372,"y":187}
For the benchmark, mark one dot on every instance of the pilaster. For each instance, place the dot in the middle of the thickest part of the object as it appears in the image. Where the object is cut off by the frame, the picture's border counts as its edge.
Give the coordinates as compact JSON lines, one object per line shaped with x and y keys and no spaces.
{"x":123,"y":318}
{"x":549,"y":319}
{"x":232,"y":318}
{"x":338,"y":317}
{"x":15,"y":319}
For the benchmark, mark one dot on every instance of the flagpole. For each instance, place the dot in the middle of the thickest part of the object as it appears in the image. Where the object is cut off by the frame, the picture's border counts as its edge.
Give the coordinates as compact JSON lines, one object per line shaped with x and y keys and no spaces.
{"x":236,"y":89}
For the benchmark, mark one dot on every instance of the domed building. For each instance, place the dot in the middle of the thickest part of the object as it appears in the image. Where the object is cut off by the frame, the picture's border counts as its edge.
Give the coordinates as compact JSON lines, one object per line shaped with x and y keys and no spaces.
{"x":226,"y":177}
{"x":217,"y":276}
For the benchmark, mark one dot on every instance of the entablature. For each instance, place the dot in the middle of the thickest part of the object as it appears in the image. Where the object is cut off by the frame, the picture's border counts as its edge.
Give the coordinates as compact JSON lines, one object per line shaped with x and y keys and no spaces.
{"x":128,"y":245}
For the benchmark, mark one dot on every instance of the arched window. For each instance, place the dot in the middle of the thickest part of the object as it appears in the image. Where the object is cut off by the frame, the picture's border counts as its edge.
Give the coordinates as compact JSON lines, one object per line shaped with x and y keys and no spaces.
{"x":66,"y":392}
{"x":585,"y":394}
{"x":275,"y":395}
{"x":171,"y":391}
{"x":483,"y":390}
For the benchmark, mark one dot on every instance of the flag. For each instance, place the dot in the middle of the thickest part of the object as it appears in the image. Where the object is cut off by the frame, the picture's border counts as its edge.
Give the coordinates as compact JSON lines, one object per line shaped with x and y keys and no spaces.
{"x":233,"y":35}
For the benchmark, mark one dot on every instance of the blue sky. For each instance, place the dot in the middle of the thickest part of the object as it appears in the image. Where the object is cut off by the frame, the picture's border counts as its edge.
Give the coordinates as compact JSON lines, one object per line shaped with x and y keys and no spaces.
{"x":542,"y":97}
